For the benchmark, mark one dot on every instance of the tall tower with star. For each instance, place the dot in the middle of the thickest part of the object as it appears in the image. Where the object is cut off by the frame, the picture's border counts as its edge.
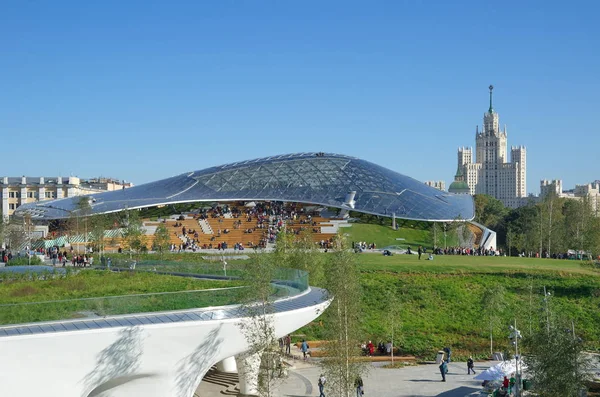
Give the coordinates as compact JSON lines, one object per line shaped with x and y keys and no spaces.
{"x":492,"y":172}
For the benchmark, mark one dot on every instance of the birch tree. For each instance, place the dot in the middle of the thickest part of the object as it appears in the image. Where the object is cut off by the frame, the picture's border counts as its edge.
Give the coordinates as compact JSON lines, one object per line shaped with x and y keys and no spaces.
{"x":393,"y":321}
{"x":342,"y":348}
{"x":493,"y":304}
{"x":161,"y":239}
{"x":258,"y":325}
{"x":555,"y":356}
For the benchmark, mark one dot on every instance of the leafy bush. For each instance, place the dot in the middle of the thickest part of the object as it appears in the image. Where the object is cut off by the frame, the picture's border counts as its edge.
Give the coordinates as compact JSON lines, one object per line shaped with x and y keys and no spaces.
{"x":24,"y":261}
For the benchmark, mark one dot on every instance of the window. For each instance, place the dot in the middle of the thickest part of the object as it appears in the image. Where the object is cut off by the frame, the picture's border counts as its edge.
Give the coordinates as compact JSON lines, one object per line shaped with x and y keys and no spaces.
{"x":12,"y":194}
{"x":30,"y":194}
{"x":50,"y":195}
{"x":11,"y":206}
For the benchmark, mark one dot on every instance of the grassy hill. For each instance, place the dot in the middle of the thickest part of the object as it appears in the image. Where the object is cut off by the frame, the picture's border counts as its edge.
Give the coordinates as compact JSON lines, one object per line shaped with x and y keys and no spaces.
{"x":371,"y":262}
{"x":411,"y":235}
{"x":441,"y":299}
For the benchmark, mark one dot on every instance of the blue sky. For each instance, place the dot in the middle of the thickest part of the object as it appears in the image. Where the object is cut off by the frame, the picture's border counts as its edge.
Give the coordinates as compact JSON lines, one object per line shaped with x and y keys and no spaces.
{"x":141,"y":90}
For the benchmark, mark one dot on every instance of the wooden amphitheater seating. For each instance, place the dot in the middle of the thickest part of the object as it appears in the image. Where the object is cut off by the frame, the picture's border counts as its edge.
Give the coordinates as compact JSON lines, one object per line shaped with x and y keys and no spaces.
{"x":320,"y":222}
{"x":235,"y":235}
{"x":478,"y":233}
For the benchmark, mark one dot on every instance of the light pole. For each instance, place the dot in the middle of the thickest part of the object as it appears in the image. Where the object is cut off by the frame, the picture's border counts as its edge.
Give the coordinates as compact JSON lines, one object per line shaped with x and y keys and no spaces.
{"x":445,"y":246}
{"x":27,"y":229}
{"x":547,"y":309}
{"x":515,"y":335}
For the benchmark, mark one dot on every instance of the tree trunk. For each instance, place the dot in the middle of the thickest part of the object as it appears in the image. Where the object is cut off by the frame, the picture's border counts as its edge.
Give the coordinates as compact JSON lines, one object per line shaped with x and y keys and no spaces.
{"x":392,"y":346}
{"x":347,"y":352}
{"x":491,"y":339}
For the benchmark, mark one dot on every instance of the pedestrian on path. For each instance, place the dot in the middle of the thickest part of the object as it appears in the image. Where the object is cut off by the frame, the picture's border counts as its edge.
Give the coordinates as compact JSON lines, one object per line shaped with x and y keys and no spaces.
{"x":470,"y":366}
{"x":443,"y":370}
{"x":322,"y":381}
{"x":304,"y":348}
{"x":358,"y":383}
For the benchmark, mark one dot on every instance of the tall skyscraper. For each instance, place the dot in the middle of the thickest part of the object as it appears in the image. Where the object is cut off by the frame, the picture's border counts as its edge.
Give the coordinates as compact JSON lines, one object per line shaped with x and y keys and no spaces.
{"x":492,"y":173}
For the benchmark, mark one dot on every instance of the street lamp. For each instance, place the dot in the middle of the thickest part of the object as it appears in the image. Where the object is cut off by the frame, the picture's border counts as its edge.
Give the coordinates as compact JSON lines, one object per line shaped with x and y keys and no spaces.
{"x":514,"y":336}
{"x":445,"y":245}
{"x":27,"y":229}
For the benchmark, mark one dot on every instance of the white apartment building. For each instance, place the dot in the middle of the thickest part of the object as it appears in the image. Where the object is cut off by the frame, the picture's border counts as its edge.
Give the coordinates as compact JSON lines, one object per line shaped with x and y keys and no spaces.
{"x":491,"y":172}
{"x":590,"y":190}
{"x":16,"y":191}
{"x":440,"y":185}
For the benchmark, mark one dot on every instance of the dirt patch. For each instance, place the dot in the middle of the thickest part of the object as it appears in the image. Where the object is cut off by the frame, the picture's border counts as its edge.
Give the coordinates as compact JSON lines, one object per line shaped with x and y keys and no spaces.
{"x":27,"y":290}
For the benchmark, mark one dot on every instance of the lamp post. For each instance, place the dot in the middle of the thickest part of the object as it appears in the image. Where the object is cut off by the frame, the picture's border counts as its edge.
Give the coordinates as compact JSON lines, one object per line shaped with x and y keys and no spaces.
{"x":515,"y":335}
{"x":445,"y":245}
{"x":27,"y":229}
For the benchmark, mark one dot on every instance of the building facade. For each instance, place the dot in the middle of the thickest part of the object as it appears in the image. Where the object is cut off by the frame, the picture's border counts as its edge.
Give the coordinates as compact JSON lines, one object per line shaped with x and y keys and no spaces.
{"x":17,"y":191}
{"x":589,"y":191}
{"x":491,"y":171}
{"x":440,"y":185}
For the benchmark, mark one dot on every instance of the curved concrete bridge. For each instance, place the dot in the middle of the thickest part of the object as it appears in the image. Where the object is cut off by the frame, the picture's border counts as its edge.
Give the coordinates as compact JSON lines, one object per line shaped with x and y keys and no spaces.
{"x":147,"y":354}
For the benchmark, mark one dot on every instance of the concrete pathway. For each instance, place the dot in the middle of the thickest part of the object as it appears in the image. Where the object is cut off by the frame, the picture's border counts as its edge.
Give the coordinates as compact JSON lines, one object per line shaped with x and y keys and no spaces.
{"x":421,"y":381}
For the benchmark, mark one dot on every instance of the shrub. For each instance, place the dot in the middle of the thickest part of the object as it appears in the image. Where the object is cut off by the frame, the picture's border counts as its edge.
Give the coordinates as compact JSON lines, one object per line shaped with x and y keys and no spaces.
{"x":23,"y":261}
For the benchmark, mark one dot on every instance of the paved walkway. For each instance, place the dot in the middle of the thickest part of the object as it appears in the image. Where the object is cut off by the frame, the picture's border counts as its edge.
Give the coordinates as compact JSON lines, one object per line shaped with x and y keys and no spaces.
{"x":421,"y":381}
{"x":414,"y":381}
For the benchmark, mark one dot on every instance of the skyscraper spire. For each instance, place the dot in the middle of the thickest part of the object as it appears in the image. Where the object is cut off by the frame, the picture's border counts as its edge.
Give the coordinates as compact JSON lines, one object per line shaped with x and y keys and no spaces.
{"x":491,"y":110}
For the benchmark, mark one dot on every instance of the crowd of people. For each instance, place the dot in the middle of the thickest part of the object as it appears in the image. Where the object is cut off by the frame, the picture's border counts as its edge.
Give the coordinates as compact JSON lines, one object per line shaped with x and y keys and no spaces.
{"x":369,"y":349}
{"x":480,"y":251}
{"x":362,"y":246}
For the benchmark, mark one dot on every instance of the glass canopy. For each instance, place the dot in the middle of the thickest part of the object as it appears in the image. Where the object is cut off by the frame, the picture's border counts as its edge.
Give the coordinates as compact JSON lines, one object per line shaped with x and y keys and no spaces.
{"x":314,"y":178}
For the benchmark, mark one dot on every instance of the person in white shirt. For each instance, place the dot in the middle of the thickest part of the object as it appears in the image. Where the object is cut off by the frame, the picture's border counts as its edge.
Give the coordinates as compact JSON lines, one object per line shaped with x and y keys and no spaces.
{"x":322,"y":381}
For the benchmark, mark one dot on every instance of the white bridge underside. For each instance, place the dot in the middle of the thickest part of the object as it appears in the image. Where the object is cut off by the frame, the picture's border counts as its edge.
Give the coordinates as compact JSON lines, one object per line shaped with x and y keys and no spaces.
{"x":166,"y":359}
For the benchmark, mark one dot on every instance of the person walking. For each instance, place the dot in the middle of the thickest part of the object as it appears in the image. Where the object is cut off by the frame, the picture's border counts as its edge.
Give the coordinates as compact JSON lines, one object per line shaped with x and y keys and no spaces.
{"x":470,"y":366}
{"x":288,"y":344}
{"x":444,"y":370}
{"x":448,"y":353}
{"x":358,"y":383}
{"x":304,"y":348}
{"x":420,"y":251}
{"x":322,"y":381}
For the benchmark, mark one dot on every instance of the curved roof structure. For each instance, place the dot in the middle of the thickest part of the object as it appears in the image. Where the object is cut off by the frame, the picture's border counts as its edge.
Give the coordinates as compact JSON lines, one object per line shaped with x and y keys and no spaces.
{"x":323,"y":179}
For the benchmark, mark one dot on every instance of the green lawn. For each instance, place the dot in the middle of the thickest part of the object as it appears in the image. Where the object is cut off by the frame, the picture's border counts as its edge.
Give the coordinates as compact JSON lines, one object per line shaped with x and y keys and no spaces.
{"x":384,"y":236}
{"x":92,"y":283}
{"x":441,"y":300}
{"x":369,"y":262}
{"x":100,"y":293}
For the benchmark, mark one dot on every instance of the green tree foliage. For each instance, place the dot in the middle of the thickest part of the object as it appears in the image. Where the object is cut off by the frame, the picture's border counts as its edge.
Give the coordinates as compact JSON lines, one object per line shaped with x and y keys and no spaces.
{"x":582,"y":227}
{"x":162,"y":239}
{"x":393,"y":321}
{"x":98,"y":226}
{"x":524,"y":222}
{"x":343,"y":320}
{"x":15,"y":234}
{"x":489,"y":211}
{"x":555,"y":357}
{"x":133,"y":233}
{"x":493,"y":304}
{"x":258,"y":326}
{"x":77,"y":223}
{"x":554,"y":225}
{"x":3,"y":227}
{"x":299,"y":252}
{"x":436,"y":231}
